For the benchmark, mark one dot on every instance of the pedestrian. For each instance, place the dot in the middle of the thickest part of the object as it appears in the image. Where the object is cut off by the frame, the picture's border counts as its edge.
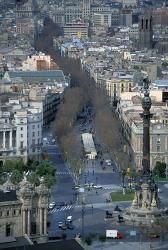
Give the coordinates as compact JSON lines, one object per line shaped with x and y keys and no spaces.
{"x":93,"y":171}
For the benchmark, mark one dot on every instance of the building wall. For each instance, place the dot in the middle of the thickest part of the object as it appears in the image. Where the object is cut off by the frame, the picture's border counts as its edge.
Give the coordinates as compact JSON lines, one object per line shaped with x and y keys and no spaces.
{"x":76,"y":30}
{"x":146,"y":31}
{"x":115,"y":85}
{"x":10,"y":213}
{"x":158,"y":145}
{"x":34,"y":135}
{"x":102,"y":19}
{"x":21,"y":134}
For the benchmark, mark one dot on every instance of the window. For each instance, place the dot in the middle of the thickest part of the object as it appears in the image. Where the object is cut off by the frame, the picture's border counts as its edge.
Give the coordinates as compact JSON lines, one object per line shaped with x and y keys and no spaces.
{"x":8,"y":230}
{"x":0,"y":213}
{"x":21,"y":135}
{"x":21,"y":128}
{"x":7,"y":213}
{"x":21,"y":144}
{"x":122,"y":87}
{"x":158,"y":148}
{"x":33,"y":142}
{"x":158,"y":139}
{"x":14,"y":212}
{"x":38,"y":133}
{"x":38,"y":125}
{"x":33,"y":134}
{"x":33,"y":126}
{"x":21,"y":120}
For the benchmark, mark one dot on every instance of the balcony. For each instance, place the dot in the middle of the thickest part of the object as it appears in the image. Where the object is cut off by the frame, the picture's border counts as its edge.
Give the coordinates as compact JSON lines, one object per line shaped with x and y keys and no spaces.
{"x":23,"y":148}
{"x":7,"y":149}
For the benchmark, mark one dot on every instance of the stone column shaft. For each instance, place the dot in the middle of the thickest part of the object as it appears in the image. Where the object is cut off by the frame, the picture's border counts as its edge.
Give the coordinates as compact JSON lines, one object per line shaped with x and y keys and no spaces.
{"x":28,"y":223}
{"x":4,"y":139}
{"x":24,"y":218}
{"x":45,"y":221}
{"x":10,"y":139}
{"x":40,"y":221}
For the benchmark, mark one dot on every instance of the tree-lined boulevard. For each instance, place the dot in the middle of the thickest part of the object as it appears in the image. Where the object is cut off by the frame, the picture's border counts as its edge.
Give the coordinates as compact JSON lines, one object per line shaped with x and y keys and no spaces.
{"x":85,"y":108}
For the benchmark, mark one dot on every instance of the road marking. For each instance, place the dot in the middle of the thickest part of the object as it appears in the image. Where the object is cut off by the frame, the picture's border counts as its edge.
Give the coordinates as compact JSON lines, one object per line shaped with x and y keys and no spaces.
{"x":110,"y":205}
{"x":63,"y":173}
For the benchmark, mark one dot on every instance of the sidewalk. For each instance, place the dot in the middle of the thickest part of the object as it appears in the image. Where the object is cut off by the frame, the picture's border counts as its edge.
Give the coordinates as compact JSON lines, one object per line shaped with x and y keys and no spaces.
{"x":119,"y":245}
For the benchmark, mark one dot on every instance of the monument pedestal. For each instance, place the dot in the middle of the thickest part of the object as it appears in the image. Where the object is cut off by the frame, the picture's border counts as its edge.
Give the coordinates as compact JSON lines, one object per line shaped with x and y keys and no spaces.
{"x":146,"y":207}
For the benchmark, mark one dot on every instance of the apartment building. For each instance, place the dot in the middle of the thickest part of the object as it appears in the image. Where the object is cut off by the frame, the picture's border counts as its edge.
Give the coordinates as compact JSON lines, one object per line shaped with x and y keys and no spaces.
{"x":20,"y":131}
{"x":79,"y":30}
{"x":129,"y":109}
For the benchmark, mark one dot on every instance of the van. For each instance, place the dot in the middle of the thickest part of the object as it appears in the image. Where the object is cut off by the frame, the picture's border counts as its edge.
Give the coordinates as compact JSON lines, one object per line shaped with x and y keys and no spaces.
{"x":114,"y":234}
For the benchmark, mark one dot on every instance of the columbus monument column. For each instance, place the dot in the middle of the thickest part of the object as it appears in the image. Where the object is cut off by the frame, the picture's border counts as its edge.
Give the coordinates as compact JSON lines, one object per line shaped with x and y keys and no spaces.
{"x":146,"y":206}
{"x":146,"y":116}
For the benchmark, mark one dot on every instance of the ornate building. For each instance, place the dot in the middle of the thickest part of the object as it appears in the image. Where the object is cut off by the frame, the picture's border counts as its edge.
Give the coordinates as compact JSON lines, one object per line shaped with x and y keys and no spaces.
{"x":24,"y":211}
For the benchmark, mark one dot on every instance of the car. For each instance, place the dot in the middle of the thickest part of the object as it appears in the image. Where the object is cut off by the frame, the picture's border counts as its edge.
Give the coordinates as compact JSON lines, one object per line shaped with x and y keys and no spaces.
{"x":53,"y":141}
{"x":108,"y":162}
{"x":153,"y":236}
{"x":69,"y":219}
{"x":97,"y":186}
{"x":51,"y":205}
{"x":62,"y":226}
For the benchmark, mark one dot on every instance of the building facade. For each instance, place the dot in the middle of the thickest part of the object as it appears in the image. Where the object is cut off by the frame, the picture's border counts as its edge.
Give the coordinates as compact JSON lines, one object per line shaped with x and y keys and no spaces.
{"x":24,"y":211}
{"x":79,"y":30}
{"x":115,"y":86}
{"x":129,"y":109}
{"x":20,"y":132}
{"x":146,"y":31}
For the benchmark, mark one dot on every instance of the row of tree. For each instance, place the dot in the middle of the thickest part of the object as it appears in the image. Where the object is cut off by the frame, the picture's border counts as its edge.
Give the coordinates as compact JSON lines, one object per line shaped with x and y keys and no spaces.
{"x":82,"y":92}
{"x":34,"y":170}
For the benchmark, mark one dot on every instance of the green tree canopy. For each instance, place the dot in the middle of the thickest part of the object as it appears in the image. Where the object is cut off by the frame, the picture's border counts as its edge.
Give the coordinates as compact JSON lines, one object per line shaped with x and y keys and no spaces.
{"x":16,"y":176}
{"x":45,"y":168}
{"x":49,"y":180}
{"x":160,"y":169}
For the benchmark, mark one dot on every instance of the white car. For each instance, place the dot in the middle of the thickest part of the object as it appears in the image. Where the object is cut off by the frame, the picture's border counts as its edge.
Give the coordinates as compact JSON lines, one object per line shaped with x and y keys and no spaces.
{"x":108,"y":162}
{"x":97,"y":186}
{"x":51,"y":205}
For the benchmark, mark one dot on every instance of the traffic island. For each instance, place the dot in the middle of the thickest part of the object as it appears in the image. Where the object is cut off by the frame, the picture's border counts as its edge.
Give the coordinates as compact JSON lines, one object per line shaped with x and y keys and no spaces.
{"x":120,"y":196}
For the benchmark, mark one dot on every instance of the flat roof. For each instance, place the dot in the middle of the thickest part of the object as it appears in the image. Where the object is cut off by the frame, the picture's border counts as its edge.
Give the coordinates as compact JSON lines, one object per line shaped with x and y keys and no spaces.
{"x":8,"y":196}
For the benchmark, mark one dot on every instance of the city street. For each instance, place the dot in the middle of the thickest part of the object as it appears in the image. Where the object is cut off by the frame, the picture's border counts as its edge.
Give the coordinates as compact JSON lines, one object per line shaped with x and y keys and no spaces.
{"x":89,"y":218}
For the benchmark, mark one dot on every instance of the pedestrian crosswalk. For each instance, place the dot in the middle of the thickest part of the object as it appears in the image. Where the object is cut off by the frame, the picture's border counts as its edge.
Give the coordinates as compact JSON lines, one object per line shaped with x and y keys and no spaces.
{"x":63,"y":173}
{"x":111,"y":187}
{"x":63,"y":208}
{"x":91,"y":206}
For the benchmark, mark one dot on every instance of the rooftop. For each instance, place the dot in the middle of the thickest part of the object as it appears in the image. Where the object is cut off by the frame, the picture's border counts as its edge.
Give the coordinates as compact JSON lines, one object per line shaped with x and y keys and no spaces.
{"x":8,"y":196}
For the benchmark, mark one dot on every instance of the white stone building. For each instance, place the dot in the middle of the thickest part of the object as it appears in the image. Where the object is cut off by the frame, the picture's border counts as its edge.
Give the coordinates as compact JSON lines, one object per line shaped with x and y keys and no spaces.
{"x":129,"y":110}
{"x":20,"y":132}
{"x":24,"y":211}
